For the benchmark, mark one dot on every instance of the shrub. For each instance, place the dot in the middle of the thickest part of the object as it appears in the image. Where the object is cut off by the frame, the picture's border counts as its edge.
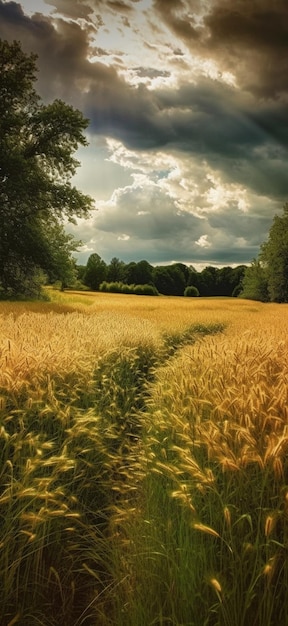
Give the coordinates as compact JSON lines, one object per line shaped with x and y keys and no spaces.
{"x":114,"y":287}
{"x":145,"y":290}
{"x":139,"y":290}
{"x":191,"y":292}
{"x":127,"y":288}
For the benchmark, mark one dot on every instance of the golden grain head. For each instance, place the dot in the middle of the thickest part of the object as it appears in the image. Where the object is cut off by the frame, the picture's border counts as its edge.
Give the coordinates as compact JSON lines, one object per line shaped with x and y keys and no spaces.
{"x":215,"y":584}
{"x":203,"y":528}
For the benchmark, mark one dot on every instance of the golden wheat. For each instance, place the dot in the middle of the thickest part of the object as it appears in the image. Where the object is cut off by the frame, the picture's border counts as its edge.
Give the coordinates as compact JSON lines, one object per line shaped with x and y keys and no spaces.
{"x":214,"y":434}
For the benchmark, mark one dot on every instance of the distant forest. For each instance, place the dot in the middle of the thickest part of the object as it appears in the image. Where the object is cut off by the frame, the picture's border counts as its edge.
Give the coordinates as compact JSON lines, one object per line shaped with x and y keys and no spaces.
{"x":169,"y":280}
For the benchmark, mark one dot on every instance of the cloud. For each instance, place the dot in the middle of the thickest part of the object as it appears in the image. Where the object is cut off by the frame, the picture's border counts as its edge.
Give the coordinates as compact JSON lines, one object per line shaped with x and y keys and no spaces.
{"x":251,"y":39}
{"x":119,"y":5}
{"x":177,"y":209}
{"x":62,"y":48}
{"x":187,"y":102}
{"x":248,"y":39}
{"x":209,"y":117}
{"x":151,"y":72}
{"x":180,"y":17}
{"x":203,"y":242}
{"x":71,"y":9}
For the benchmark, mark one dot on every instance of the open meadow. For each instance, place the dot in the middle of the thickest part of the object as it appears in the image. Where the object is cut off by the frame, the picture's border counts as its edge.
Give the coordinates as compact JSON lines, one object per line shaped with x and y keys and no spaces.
{"x":144,"y":466}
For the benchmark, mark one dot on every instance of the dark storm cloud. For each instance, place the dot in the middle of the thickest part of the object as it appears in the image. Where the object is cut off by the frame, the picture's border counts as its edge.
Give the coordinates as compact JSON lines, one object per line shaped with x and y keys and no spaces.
{"x":243,"y":136}
{"x":148,"y":217}
{"x":253,"y":37}
{"x":150,"y":72}
{"x":62,"y":48}
{"x":209,"y":119}
{"x":265,"y":174}
{"x":247,"y":38}
{"x":119,"y":5}
{"x":247,"y":226}
{"x":178,"y":16}
{"x":85,"y":8}
{"x":71,"y":9}
{"x":13,"y":20}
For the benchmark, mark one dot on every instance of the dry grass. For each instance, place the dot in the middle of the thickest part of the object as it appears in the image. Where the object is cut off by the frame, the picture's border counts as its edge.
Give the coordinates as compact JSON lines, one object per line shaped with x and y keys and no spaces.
{"x":169,"y":313}
{"x":53,"y":342}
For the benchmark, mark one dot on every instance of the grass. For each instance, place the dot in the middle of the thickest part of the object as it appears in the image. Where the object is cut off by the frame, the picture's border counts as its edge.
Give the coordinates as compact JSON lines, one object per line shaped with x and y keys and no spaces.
{"x":143,"y":467}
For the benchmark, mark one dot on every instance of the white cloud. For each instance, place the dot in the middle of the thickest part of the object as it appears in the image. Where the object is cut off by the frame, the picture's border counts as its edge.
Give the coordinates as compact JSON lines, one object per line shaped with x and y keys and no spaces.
{"x":161,"y":214}
{"x":203,"y":242}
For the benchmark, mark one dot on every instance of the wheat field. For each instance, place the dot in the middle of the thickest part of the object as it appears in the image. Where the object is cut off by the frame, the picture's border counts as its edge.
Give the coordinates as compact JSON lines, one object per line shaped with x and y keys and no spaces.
{"x":143,"y":466}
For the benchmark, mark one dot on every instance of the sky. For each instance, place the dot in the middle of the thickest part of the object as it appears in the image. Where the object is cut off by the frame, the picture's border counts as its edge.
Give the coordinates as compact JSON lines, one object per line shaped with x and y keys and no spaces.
{"x":187,"y":102}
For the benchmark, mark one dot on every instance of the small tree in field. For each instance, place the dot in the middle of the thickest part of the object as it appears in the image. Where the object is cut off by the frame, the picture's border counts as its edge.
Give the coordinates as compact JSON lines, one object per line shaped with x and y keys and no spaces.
{"x":37,"y":144}
{"x":254,"y":284}
{"x":191,"y":292}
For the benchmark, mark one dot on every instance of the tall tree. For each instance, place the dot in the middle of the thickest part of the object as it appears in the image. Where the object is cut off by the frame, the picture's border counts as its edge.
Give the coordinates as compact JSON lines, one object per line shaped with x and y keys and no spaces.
{"x":37,"y":144}
{"x":169,"y":279}
{"x":115,"y":271}
{"x":162,"y":280}
{"x":130,"y":273}
{"x":274,"y":258}
{"x":96,"y":272}
{"x":143,"y":273}
{"x":207,"y":282}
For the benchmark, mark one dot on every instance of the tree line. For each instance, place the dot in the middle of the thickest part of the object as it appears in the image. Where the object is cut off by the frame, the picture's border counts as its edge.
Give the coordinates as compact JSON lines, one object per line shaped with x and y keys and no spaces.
{"x":170,"y":280}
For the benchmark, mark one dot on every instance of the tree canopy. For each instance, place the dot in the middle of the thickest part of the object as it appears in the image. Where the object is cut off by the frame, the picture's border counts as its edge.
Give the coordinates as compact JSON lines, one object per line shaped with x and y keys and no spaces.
{"x":274,"y":258}
{"x":267,"y":278}
{"x":37,"y":146}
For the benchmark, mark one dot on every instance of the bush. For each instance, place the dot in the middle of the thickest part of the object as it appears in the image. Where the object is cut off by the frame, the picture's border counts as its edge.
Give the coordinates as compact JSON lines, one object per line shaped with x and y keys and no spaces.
{"x":103,"y":286}
{"x":191,"y":292}
{"x":114,"y":287}
{"x":127,"y":288}
{"x":139,"y":290}
{"x":145,"y":290}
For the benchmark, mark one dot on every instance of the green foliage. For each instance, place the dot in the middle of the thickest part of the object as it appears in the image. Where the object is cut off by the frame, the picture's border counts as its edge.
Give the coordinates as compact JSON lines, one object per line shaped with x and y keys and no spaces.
{"x":170,"y":280}
{"x":255,"y":285}
{"x":115,"y":270}
{"x":274,"y":257}
{"x":137,"y":273}
{"x":118,"y":287}
{"x":145,"y":290}
{"x":96,"y":271}
{"x":37,"y":144}
{"x":162,"y":280}
{"x":191,"y":292}
{"x":267,"y":277}
{"x":125,"y":288}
